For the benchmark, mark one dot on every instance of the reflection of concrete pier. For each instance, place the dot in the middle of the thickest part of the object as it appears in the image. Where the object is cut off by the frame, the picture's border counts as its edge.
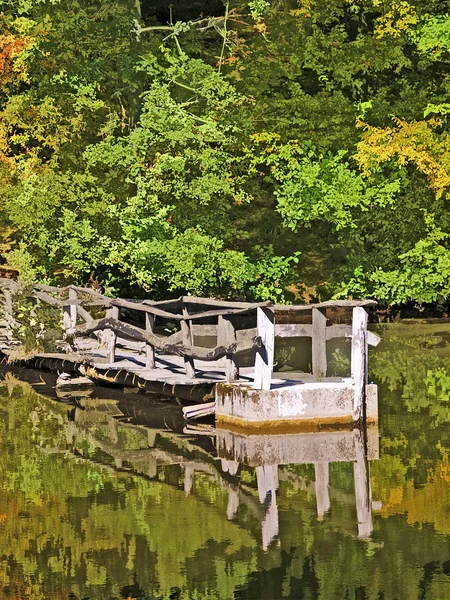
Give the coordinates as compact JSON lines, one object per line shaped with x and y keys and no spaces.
{"x":267,"y":452}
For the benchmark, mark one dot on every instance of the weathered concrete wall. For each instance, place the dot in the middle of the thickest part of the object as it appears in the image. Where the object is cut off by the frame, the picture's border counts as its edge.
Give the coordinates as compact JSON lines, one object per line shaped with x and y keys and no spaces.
{"x":326,"y":402}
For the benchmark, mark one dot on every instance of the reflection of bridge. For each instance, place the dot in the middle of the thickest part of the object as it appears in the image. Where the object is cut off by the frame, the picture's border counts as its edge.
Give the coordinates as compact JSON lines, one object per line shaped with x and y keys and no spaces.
{"x":219,"y":454}
{"x":187,"y":346}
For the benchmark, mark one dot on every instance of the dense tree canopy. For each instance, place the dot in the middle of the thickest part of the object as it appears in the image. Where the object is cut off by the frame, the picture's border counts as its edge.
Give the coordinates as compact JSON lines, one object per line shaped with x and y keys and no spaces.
{"x":285,"y":149}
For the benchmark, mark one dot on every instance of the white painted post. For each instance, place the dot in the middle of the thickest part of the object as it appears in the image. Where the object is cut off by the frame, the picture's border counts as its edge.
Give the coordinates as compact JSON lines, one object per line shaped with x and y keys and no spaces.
{"x":321,"y":484}
{"x":70,"y":313}
{"x":363,"y":492}
{"x":226,"y":335}
{"x":359,"y":360}
{"x":264,"y":356}
{"x":150,"y":351}
{"x":188,"y":340}
{"x":319,"y":342}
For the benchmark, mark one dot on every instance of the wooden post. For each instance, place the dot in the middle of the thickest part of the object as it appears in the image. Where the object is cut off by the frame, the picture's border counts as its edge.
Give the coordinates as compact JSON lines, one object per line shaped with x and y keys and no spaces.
{"x":264,"y":356}
{"x":70,"y":313}
{"x":112,"y":313}
{"x":188,"y":341}
{"x":322,"y":490}
{"x":150,"y":351}
{"x":359,"y":360}
{"x":226,"y":335}
{"x":319,"y":342}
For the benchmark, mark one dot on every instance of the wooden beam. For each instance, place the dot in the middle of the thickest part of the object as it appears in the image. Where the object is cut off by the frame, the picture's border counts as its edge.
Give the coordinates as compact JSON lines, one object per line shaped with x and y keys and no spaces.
{"x":284,"y":308}
{"x":319,"y":342}
{"x":226,"y":336}
{"x":359,"y":359}
{"x":264,"y":356}
{"x":166,"y":345}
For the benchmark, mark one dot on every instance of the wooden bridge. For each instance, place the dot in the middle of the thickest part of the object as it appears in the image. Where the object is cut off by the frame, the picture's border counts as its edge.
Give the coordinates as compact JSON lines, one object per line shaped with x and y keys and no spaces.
{"x":184,"y":347}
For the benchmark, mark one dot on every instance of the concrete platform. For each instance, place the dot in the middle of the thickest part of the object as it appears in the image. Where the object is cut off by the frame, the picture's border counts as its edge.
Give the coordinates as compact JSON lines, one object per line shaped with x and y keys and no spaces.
{"x":292,"y":404}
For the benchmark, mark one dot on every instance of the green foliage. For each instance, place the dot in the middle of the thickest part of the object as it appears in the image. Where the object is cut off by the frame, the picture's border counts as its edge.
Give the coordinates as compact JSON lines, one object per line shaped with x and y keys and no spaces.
{"x":206,"y":155}
{"x":423,"y":274}
{"x":432,"y":37}
{"x":37,"y":325}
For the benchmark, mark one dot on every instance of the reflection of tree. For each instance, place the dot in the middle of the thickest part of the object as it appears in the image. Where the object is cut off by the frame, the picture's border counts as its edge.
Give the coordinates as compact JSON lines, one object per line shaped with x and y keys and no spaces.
{"x":279,"y":583}
{"x":94,"y":507}
{"x":71,"y":525}
{"x":415,"y":378}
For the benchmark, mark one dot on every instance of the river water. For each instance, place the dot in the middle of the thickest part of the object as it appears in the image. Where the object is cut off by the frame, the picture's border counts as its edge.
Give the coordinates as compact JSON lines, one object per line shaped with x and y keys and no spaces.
{"x":106,"y":497}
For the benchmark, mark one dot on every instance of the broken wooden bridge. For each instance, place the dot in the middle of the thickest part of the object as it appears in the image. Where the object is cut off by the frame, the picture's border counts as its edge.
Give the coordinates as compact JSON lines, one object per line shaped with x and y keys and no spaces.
{"x":202,"y":349}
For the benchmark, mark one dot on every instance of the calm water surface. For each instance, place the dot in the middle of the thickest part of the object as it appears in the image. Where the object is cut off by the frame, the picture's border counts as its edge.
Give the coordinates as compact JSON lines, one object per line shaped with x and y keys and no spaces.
{"x":108,"y":498}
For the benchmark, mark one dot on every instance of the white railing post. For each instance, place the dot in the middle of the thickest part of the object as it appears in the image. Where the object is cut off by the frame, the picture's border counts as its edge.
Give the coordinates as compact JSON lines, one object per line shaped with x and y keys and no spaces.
{"x":265,"y":323}
{"x":319,"y":342}
{"x":359,"y":359}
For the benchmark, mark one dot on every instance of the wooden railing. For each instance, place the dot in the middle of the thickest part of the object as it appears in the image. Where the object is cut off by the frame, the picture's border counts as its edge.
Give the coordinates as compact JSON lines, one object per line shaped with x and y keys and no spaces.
{"x":232,"y":333}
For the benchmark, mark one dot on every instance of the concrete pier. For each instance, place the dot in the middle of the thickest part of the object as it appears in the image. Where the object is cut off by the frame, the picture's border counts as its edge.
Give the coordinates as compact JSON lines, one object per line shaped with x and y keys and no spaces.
{"x":292,"y":404}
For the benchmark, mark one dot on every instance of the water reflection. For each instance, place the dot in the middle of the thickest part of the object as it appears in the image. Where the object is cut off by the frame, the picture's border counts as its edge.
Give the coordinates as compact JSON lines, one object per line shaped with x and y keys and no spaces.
{"x":106,"y":497}
{"x":129,"y":435}
{"x":267,"y":452}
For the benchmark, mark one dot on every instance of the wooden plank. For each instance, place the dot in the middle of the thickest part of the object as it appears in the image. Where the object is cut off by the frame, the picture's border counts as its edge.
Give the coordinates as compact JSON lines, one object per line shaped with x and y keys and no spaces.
{"x":188,"y":340}
{"x":359,"y":359}
{"x":373,"y":339}
{"x":293,"y":330}
{"x":319,"y":342}
{"x":226,"y":336}
{"x":196,"y":411}
{"x":150,"y":351}
{"x":264,"y":356}
{"x":70,"y":313}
